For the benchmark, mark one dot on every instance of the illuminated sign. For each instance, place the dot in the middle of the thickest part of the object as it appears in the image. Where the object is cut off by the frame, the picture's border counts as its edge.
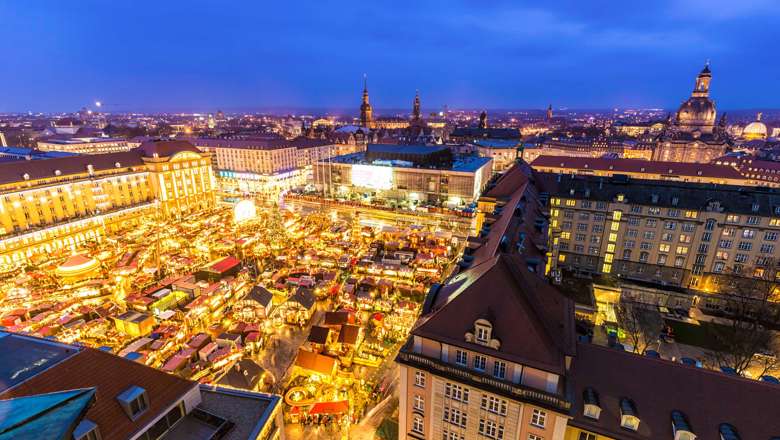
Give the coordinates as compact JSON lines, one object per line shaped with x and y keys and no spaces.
{"x":375,"y":177}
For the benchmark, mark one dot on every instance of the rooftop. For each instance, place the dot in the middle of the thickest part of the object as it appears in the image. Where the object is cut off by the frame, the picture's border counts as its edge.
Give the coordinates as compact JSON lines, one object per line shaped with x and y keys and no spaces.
{"x":516,"y":302}
{"x":44,"y":416}
{"x":657,"y":387}
{"x":24,"y":357}
{"x":466,"y":164}
{"x":756,"y":201}
{"x":110,"y":375}
{"x":639,"y":166}
{"x":260,"y":144}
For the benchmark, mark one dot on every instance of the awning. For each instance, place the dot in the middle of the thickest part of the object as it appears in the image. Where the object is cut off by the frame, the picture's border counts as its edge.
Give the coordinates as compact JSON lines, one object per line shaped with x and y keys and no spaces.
{"x":339,"y":407}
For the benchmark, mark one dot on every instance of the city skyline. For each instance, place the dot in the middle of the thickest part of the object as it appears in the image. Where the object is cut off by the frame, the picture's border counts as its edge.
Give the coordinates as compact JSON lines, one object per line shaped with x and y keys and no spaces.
{"x":171,"y":58}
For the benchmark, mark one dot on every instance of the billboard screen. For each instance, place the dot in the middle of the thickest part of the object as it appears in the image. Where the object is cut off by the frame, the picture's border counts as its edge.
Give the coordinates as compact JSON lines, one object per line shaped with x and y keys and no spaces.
{"x":374,"y":177}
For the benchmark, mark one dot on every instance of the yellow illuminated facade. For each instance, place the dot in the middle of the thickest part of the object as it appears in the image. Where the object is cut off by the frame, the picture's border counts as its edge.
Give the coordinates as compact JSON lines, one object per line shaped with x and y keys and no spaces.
{"x":52,"y":204}
{"x":664,"y":241}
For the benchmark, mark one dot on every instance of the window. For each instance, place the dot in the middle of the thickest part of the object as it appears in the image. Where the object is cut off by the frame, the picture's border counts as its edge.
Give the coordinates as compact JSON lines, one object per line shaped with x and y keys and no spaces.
{"x":86,"y":430}
{"x":662,"y":258}
{"x":450,"y":435}
{"x":725,"y":244}
{"x":649,"y":235}
{"x":628,"y":414}
{"x":767,"y":248}
{"x":538,"y":418}
{"x":491,"y":429}
{"x":499,"y":369}
{"x":417,"y":424}
{"x":493,"y":404}
{"x":461,"y":358}
{"x":479,"y":362}
{"x":644,"y":256}
{"x":483,"y":333}
{"x":456,"y":392}
{"x":454,"y":416}
{"x":748,"y":233}
{"x":770,"y":236}
{"x":134,"y":401}
{"x":586,"y":436}
{"x":663,"y":247}
{"x":419,"y":379}
{"x":745,"y":246}
{"x":632,"y":233}
{"x":718,"y":267}
{"x":671,"y":226}
{"x":535,"y":437}
{"x":419,"y":402}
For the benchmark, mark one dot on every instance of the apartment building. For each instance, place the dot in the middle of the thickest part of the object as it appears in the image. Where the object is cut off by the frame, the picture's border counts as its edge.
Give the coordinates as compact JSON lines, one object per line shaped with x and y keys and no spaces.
{"x":86,"y":394}
{"x":57,"y":203}
{"x":670,"y":233}
{"x":495,"y":354}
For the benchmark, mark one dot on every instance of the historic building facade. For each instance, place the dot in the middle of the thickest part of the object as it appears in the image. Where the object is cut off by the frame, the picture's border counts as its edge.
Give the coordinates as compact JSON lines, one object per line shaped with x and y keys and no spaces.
{"x":51,"y":204}
{"x":693,"y":135}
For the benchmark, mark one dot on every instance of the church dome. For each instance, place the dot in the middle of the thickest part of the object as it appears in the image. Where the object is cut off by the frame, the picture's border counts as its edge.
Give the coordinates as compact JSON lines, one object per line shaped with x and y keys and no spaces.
{"x":697,"y":111}
{"x":755,"y":130}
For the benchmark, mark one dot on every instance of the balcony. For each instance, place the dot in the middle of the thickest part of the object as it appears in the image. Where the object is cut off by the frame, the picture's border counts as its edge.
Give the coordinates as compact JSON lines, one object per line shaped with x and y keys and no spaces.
{"x":488,"y":383}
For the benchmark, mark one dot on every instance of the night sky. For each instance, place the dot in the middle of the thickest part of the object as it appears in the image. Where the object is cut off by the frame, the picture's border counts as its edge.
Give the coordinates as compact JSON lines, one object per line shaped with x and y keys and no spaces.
{"x":200,"y":56}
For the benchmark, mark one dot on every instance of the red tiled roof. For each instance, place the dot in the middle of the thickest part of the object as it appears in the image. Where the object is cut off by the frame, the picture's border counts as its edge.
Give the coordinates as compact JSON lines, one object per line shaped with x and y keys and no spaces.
{"x":530,"y":318}
{"x":111,"y":375}
{"x":639,"y":166}
{"x":658,"y":387}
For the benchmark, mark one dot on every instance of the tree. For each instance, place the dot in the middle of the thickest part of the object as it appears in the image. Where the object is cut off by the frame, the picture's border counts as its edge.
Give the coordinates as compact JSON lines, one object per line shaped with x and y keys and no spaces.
{"x":641,"y":326}
{"x":744,"y":341}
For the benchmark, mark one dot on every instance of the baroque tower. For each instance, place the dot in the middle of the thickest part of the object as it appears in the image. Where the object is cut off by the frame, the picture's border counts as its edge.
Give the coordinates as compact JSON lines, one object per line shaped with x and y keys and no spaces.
{"x":366,"y":113}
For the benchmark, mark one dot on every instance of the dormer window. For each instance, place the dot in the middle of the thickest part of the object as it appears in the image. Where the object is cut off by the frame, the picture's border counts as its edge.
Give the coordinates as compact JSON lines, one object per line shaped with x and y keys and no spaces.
{"x":134,"y":401}
{"x":629,"y":417}
{"x":728,"y":432}
{"x":86,"y":430}
{"x":680,"y":427}
{"x":483,"y":334}
{"x":591,"y":406}
{"x":654,"y":198}
{"x":621,"y":197}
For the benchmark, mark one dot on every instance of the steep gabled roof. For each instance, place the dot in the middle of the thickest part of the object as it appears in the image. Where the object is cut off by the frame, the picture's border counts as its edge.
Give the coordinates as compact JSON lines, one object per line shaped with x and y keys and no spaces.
{"x":531,"y":319}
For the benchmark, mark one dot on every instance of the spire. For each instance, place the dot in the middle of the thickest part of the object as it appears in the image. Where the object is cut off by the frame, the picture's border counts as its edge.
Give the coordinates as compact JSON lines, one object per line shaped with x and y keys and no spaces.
{"x":549,"y":113}
{"x":758,"y":116}
{"x":366,"y":112}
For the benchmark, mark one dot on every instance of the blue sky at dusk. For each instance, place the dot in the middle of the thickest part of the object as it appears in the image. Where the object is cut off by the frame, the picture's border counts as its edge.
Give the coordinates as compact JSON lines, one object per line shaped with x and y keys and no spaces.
{"x":193,"y":55}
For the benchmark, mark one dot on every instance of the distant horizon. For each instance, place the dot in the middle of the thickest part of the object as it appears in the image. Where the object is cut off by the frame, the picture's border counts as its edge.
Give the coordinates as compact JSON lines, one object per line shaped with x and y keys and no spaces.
{"x":378,"y":111}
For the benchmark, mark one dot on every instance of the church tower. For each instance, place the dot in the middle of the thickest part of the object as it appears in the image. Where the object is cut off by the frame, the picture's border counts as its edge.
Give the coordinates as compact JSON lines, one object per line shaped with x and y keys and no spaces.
{"x":366,"y":113}
{"x":702,"y":89}
{"x":416,"y":107}
{"x":549,"y":113}
{"x":483,"y":122}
